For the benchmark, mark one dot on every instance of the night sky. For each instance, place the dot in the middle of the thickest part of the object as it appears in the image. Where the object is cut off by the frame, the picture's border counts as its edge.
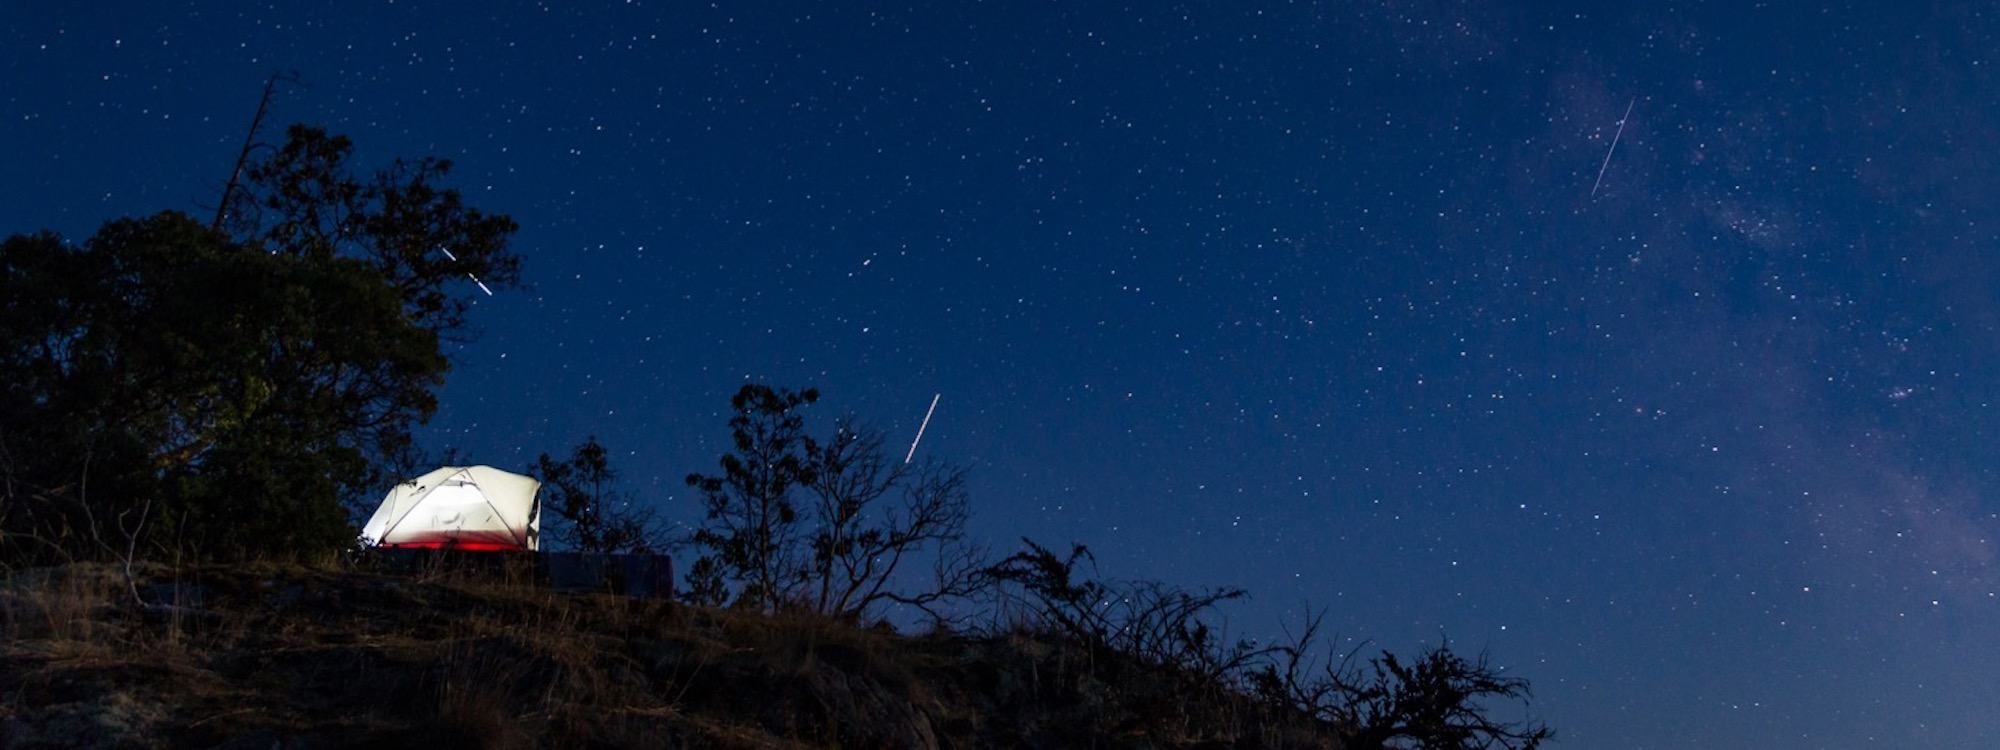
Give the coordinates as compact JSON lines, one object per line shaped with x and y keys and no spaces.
{"x":1315,"y":299}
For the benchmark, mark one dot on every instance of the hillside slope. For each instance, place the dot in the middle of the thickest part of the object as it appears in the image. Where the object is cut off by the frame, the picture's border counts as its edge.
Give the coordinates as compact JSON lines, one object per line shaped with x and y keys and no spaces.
{"x":265,"y":656}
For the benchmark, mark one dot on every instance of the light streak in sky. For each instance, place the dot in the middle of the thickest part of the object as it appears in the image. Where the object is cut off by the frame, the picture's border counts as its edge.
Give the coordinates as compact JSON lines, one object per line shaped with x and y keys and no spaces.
{"x":920,"y":428}
{"x":468,"y":274}
{"x":1614,"y":146}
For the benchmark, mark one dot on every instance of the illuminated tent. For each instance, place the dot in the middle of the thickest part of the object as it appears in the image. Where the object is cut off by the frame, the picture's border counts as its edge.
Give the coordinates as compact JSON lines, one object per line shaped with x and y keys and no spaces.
{"x":459,"y":507}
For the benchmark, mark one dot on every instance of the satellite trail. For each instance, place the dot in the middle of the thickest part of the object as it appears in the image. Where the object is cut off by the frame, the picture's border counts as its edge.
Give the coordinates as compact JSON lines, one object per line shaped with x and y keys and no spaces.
{"x":1614,"y":146}
{"x":468,"y":274}
{"x":920,"y":428}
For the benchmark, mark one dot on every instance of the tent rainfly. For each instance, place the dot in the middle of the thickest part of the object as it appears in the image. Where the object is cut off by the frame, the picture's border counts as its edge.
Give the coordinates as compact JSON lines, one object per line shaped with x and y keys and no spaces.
{"x":459,"y":507}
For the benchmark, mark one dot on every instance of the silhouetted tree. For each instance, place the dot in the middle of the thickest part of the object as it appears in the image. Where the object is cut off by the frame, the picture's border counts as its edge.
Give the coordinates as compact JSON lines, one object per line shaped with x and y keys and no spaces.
{"x":596,"y":517}
{"x":304,"y":200}
{"x":242,"y":383}
{"x":707,"y":583}
{"x":751,"y":530}
{"x":835,"y":526}
{"x":872,"y":514}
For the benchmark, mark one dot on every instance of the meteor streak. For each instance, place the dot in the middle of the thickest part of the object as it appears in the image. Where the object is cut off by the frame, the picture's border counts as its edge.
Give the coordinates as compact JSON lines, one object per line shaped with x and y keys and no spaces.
{"x":920,"y":428}
{"x":1614,"y":146}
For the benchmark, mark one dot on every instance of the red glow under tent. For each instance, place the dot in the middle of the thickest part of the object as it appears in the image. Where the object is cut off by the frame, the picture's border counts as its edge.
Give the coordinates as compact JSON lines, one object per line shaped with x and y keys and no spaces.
{"x":459,"y":507}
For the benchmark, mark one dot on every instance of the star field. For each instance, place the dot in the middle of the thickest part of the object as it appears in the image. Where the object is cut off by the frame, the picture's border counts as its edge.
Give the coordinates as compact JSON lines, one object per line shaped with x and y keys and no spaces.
{"x":1311,"y":298}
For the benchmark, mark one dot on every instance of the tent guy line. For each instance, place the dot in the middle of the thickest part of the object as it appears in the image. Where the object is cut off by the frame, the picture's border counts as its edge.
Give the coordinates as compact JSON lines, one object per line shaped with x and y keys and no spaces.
{"x":920,"y":428}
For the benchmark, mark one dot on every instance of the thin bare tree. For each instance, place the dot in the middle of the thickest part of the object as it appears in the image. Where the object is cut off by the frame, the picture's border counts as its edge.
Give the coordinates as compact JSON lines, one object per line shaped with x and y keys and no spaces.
{"x":873,"y":515}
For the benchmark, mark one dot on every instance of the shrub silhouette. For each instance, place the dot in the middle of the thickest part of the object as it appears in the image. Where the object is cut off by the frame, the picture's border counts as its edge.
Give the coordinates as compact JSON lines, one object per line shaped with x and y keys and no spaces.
{"x":1437,"y":700}
{"x":828,"y":526}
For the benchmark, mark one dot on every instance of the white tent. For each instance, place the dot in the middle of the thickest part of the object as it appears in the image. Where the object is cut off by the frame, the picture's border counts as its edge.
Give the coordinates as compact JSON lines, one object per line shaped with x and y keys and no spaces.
{"x":459,"y":507}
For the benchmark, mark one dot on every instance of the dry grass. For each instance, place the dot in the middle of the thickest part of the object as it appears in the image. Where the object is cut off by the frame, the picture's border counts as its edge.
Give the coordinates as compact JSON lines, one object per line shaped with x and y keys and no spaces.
{"x":476,"y":701}
{"x":273,"y":653}
{"x":58,"y":609}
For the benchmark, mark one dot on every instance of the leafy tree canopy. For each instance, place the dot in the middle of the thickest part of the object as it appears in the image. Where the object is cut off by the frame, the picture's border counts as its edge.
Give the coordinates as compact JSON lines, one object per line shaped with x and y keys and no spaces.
{"x":237,"y":385}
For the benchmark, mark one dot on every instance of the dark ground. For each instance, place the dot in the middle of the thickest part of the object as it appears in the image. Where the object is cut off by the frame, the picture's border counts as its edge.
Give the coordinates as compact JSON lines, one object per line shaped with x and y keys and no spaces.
{"x":266,"y":655}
